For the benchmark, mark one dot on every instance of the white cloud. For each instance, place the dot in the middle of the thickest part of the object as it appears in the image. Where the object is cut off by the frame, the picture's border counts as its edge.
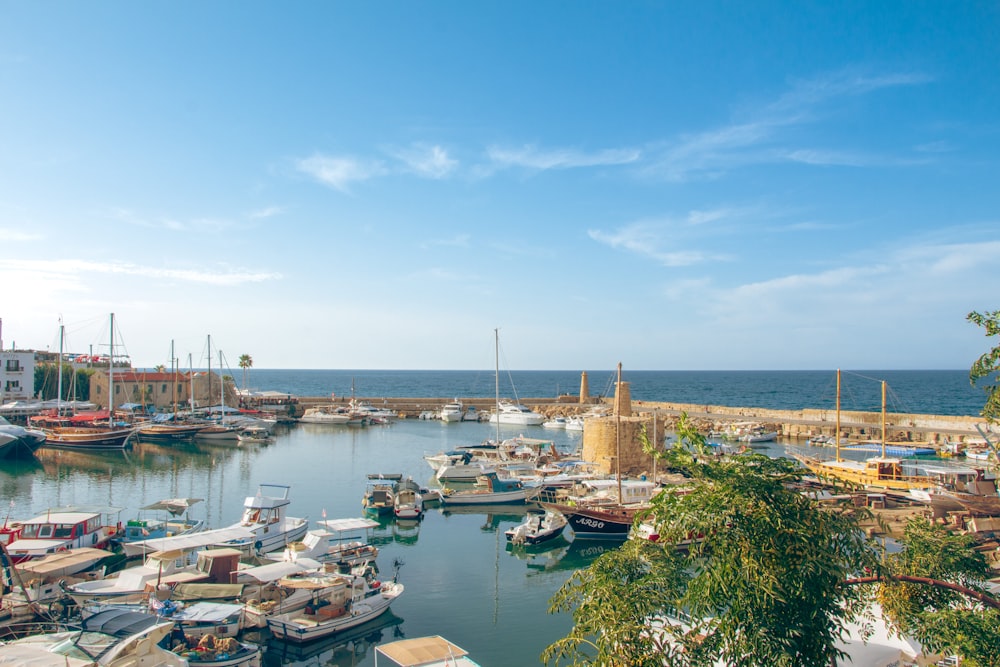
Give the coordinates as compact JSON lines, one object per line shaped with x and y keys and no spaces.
{"x":268,"y":212}
{"x":715,"y":151}
{"x":68,"y":273}
{"x":531,"y":157}
{"x":339,"y":172}
{"x":646,"y":239}
{"x":426,"y":161}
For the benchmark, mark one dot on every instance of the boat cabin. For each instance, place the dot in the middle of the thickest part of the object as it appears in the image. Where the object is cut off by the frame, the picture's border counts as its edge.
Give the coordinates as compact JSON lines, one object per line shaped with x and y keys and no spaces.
{"x":62,"y":529}
{"x":263,"y":509}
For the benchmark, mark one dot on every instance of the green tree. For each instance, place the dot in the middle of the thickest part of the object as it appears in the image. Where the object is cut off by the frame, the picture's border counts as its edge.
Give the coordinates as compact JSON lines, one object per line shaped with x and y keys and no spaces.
{"x":987,"y":366}
{"x":246,"y":362}
{"x":761,"y":582}
{"x":934,"y":590}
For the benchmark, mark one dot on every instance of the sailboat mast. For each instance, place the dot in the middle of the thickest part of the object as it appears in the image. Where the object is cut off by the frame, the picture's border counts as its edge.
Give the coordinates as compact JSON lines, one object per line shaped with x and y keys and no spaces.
{"x":222,"y":393}
{"x":618,"y":433}
{"x":191,"y":381}
{"x":209,"y":355}
{"x":173,"y":375}
{"x":62,"y":330}
{"x":111,"y":374}
{"x":496,"y":377}
{"x":883,"y":418}
{"x":836,"y":434}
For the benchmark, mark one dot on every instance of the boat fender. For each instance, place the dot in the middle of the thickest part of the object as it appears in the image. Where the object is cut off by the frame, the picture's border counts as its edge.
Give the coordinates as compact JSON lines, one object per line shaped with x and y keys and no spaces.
{"x":376,"y":585}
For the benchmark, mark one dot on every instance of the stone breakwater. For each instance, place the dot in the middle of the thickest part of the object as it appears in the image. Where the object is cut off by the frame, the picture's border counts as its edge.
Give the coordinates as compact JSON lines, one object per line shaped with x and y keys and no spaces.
{"x":790,"y":424}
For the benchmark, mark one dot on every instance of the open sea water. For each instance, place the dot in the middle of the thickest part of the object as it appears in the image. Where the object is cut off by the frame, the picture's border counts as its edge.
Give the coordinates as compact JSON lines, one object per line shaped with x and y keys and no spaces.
{"x":462,"y":580}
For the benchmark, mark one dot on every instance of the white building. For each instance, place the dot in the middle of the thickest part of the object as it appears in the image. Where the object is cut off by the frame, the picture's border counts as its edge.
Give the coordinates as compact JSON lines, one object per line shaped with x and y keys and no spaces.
{"x":17,"y":375}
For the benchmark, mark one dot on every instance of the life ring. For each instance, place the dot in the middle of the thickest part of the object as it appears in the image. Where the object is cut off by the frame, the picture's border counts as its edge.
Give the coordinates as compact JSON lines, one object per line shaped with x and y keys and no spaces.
{"x":62,"y":548}
{"x":376,"y":585}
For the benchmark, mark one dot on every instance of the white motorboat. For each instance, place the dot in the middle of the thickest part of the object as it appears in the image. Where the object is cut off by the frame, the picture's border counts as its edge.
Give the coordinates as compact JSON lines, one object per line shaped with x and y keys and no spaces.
{"x":256,"y":433}
{"x":515,"y":414}
{"x":452,"y":412}
{"x":326,"y":415}
{"x":353,"y":600}
{"x":104,"y":641}
{"x":536,"y":528}
{"x":555,"y":422}
{"x":264,"y":516}
{"x":409,"y":503}
{"x":574,"y":424}
{"x":161,"y":568}
{"x":337,"y":541}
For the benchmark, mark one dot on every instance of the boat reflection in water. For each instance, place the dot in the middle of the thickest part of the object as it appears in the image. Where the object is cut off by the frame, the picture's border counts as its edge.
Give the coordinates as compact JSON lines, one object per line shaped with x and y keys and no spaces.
{"x":344,"y":649}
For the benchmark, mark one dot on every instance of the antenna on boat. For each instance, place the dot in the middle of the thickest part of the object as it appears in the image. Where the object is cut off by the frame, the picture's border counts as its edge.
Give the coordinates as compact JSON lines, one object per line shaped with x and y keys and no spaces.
{"x":496,"y":356}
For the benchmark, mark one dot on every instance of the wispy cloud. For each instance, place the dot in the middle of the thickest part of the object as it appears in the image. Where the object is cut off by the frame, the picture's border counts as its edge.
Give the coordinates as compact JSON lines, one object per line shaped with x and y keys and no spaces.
{"x":173,"y":224}
{"x":756,"y":138}
{"x":426,"y":161}
{"x":70,"y":268}
{"x":340,"y":172}
{"x":531,"y":157}
{"x":649,"y":239}
{"x":13,"y":235}
{"x":457,"y":241}
{"x":268,"y":212}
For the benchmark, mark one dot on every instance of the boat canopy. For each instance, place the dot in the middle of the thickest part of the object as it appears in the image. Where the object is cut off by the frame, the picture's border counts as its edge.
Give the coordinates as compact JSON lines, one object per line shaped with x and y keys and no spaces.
{"x":176,"y":506}
{"x":345,"y":525}
{"x":420,"y":651}
{"x":195,"y":540}
{"x":274,"y":571}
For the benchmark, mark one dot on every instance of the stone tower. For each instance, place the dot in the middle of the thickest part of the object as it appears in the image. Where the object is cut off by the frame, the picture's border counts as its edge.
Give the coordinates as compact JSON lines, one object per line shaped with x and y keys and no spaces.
{"x":584,"y":388}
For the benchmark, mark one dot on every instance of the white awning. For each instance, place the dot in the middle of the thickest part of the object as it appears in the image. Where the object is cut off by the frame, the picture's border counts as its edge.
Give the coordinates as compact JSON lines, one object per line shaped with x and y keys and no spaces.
{"x":274,"y":571}
{"x":194,"y":540}
{"x":344,"y":525}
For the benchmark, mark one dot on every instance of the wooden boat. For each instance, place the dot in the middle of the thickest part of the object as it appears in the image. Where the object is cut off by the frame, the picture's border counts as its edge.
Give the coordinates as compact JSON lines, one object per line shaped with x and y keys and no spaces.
{"x":168,"y":432}
{"x":434,"y":651}
{"x":609,"y":522}
{"x":352,"y":601}
{"x":61,"y":529}
{"x":537,"y":528}
{"x":494,"y":491}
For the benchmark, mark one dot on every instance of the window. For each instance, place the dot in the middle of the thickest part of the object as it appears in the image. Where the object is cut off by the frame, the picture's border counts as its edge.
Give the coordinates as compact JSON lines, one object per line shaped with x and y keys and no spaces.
{"x":13,"y":365}
{"x":64,"y":531}
{"x":163,"y":388}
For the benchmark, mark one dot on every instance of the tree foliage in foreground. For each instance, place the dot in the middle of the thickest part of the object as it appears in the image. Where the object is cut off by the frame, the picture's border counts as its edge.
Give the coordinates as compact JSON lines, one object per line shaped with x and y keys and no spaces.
{"x":771,"y":581}
{"x":987,"y":366}
{"x":942,"y":619}
{"x":764,"y":583}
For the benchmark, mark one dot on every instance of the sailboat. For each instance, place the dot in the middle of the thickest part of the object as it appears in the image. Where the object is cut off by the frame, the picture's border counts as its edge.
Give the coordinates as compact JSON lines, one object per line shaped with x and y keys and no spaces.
{"x":508,"y":412}
{"x":221,"y":431}
{"x":882,"y":472}
{"x":610,"y":511}
{"x":85,"y":432}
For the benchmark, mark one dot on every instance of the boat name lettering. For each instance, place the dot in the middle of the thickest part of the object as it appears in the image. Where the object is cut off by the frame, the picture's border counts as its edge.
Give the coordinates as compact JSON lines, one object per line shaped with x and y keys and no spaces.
{"x":593,"y":523}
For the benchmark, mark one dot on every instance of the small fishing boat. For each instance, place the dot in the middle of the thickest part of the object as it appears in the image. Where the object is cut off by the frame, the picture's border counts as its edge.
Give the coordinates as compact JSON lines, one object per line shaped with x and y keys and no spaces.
{"x":353,"y":600}
{"x":264,"y":516}
{"x":408,"y":503}
{"x":380,"y":493}
{"x":493,"y":491}
{"x":537,"y":528}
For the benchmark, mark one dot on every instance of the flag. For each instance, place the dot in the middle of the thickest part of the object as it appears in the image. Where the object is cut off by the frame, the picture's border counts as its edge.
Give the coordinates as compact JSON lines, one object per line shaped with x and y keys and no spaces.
{"x":324,"y":512}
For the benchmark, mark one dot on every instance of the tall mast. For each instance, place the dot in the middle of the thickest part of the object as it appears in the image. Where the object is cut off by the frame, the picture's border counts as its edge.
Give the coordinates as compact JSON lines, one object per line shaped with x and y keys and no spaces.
{"x":883,"y":418}
{"x":191,"y":380}
{"x":222,"y":393}
{"x":496,"y":377}
{"x":836,"y":435}
{"x":173,"y":375}
{"x":618,"y":433}
{"x":209,"y":368}
{"x":62,"y":331}
{"x":111,"y":374}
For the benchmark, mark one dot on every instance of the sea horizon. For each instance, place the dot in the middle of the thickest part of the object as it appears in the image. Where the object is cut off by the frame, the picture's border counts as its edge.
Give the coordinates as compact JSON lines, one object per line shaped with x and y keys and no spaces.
{"x":938,"y":392}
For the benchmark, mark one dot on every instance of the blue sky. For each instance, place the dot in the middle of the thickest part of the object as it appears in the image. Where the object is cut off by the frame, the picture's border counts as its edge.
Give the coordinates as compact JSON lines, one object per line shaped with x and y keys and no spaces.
{"x":671,"y":185}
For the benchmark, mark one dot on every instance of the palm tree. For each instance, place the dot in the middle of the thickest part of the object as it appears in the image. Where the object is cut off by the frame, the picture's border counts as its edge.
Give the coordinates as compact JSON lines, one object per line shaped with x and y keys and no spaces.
{"x":246,"y":361}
